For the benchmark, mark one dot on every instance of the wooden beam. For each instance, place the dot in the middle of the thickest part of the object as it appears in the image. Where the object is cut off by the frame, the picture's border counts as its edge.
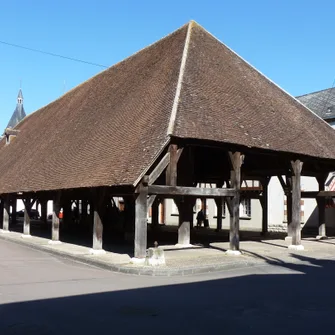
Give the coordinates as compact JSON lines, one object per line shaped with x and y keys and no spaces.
{"x":6,"y":208}
{"x":282,"y":182}
{"x":155,"y":213}
{"x":251,"y":194}
{"x":1,"y":211}
{"x":296,"y":199}
{"x":151,"y":200}
{"x":97,"y":225}
{"x":219,"y":205}
{"x":185,"y":210}
{"x":162,"y":165}
{"x":236,"y":160}
{"x":158,"y":170}
{"x":191,"y":191}
{"x":287,"y":188}
{"x":141,"y":210}
{"x":229,"y":200}
{"x":99,"y":207}
{"x":44,"y":211}
{"x":14,"y":210}
{"x":83,"y":209}
{"x":26,"y":220}
{"x":171,"y":171}
{"x":318,"y":194}
{"x":264,"y":204}
{"x":55,"y":217}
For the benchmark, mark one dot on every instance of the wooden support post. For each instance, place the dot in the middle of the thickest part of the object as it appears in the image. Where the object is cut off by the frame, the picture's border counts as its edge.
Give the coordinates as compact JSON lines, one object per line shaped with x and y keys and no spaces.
{"x":155,"y":213}
{"x":171,"y":170}
{"x":173,"y":191}
{"x":236,"y":162}
{"x":97,"y":229}
{"x":288,"y":193}
{"x":67,"y":212}
{"x":229,"y":200}
{"x":83,"y":210}
{"x":1,"y":211}
{"x":219,"y":205}
{"x":98,"y":208}
{"x":26,"y":220}
{"x":264,"y":204}
{"x":151,"y":200}
{"x":6,"y":208}
{"x":162,"y":211}
{"x":14,"y":210}
{"x":55,"y":219}
{"x":44,"y":211}
{"x":296,"y":198}
{"x":204,"y":203}
{"x":141,"y":210}
{"x":321,"y":202}
{"x":287,"y":188}
{"x":185,"y":211}
{"x":129,"y":218}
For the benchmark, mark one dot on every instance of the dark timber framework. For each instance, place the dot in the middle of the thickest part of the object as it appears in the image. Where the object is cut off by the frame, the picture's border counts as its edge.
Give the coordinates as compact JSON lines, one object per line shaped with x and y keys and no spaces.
{"x":175,"y":175}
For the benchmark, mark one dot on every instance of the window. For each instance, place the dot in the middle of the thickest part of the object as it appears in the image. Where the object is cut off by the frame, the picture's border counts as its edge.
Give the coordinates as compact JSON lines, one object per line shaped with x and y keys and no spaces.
{"x":245,"y":208}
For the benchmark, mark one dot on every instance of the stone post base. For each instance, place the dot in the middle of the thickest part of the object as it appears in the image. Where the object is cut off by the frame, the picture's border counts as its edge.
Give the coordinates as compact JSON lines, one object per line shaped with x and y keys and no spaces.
{"x":184,"y":232}
{"x":97,"y":252}
{"x":135,"y":260}
{"x":26,"y":236}
{"x":54,"y":242}
{"x":321,"y":237}
{"x":288,"y":240}
{"x":296,"y":247}
{"x":4,"y":231}
{"x":233,"y":252}
{"x":155,"y":256}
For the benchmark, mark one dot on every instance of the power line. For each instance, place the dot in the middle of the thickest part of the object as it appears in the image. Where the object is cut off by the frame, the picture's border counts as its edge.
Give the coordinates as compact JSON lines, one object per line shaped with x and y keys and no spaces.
{"x":53,"y":54}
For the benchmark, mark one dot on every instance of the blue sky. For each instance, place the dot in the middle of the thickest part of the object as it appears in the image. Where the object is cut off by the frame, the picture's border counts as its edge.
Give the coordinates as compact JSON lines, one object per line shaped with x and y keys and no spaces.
{"x":291,"y":42}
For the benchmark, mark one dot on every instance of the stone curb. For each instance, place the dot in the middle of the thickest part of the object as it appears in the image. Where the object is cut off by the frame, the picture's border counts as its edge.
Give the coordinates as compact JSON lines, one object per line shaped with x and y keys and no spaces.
{"x":139,"y":271}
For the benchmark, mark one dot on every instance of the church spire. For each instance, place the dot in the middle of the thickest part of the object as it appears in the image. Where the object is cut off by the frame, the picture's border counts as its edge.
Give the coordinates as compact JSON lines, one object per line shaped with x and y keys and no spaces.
{"x":20,"y":97}
{"x":19,"y":112}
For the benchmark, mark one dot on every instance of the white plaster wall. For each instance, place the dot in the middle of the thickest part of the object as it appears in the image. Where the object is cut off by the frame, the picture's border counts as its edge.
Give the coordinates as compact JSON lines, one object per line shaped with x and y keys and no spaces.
{"x":20,"y":206}
{"x":246,"y":223}
{"x":275,"y":204}
{"x":310,"y":206}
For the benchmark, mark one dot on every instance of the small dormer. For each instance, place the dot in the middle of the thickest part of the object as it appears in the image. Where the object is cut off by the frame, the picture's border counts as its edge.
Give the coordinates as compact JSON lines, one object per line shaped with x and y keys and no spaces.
{"x":10,"y":134}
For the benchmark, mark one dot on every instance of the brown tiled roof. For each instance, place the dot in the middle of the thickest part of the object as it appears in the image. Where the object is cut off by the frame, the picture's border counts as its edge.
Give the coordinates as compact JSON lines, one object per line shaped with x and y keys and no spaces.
{"x":110,"y":129}
{"x":225,"y":99}
{"x":106,"y":131}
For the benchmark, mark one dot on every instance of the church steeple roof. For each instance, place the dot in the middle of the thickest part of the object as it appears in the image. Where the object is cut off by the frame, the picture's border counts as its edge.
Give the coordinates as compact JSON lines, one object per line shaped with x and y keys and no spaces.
{"x":20,"y":97}
{"x":19,"y":112}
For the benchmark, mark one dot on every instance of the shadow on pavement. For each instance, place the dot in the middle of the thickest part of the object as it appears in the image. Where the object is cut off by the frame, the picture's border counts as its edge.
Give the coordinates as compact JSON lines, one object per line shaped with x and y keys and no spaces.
{"x":295,"y":303}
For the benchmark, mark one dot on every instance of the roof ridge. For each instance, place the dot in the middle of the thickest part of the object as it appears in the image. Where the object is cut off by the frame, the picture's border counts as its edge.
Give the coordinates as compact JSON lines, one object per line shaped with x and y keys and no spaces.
{"x":180,"y":79}
{"x":325,"y":89}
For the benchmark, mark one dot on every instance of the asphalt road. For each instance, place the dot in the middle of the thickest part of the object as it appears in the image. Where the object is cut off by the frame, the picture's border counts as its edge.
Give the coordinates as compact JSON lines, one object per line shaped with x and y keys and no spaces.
{"x":43,"y":294}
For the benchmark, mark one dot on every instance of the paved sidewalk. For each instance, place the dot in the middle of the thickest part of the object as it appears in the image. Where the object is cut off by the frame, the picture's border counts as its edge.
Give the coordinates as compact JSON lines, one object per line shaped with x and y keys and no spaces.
{"x":187,"y":261}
